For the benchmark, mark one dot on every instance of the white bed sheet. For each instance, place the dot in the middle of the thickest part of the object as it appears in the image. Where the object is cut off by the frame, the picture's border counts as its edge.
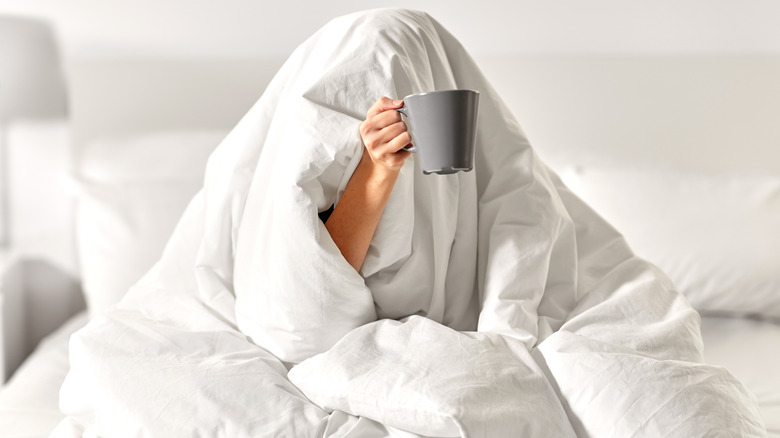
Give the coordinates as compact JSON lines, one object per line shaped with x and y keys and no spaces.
{"x":750,"y":349}
{"x":747,"y":347}
{"x":29,"y":402}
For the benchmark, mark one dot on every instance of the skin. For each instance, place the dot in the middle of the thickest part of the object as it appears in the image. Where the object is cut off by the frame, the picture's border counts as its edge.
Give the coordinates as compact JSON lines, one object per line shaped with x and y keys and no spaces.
{"x":356,"y":216}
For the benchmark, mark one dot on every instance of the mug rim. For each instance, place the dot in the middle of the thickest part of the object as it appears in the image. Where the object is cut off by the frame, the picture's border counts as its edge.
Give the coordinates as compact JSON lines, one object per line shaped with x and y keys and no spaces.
{"x":454,"y":90}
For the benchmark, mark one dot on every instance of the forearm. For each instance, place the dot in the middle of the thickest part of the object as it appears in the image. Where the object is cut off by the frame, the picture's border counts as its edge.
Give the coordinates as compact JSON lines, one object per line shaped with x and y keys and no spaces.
{"x":356,"y":216}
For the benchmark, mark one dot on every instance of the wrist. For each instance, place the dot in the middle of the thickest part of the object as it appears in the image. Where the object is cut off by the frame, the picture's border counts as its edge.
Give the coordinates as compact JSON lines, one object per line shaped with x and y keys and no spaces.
{"x":376,"y":174}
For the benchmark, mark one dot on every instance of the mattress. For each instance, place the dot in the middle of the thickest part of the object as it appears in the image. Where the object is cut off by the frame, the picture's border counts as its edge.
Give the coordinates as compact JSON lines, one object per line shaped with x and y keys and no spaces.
{"x":29,"y":401}
{"x":747,"y":347}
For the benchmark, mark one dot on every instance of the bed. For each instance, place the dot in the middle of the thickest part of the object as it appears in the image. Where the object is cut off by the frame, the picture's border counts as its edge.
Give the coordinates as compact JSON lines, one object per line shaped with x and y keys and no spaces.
{"x":703,"y":214}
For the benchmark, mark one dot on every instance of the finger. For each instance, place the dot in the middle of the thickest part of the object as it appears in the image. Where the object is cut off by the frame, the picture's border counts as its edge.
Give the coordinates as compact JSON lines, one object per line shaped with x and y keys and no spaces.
{"x":390,"y":145}
{"x":391,"y":131}
{"x":382,"y":105}
{"x":399,"y":142}
{"x":385,"y":119}
{"x":402,"y":154}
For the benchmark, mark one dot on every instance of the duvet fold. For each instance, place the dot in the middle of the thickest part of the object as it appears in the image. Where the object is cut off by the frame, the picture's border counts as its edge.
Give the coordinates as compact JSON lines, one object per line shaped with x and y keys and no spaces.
{"x":491,"y":303}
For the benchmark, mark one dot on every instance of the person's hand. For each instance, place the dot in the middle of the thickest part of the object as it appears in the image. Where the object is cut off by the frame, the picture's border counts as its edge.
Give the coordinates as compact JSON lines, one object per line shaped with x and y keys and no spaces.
{"x":385,"y":135}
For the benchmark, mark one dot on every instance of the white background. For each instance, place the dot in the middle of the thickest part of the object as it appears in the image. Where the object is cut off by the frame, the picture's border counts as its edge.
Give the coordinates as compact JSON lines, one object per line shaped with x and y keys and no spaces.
{"x":260,"y":28}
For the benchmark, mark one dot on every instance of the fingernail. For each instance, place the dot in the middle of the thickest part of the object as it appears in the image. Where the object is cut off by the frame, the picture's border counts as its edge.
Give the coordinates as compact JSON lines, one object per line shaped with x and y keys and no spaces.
{"x":398,"y":102}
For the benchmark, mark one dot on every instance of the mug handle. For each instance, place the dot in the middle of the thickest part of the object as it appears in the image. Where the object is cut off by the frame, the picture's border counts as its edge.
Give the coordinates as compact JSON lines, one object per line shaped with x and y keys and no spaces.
{"x":402,"y":110}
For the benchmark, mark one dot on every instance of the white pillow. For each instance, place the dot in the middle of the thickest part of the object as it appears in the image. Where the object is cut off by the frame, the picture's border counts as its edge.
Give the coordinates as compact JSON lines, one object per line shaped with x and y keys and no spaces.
{"x":716,"y":235}
{"x":131,"y":194}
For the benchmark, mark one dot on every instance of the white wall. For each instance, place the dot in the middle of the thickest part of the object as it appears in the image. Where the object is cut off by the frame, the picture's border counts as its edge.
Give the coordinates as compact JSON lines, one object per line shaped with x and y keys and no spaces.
{"x":257,"y":28}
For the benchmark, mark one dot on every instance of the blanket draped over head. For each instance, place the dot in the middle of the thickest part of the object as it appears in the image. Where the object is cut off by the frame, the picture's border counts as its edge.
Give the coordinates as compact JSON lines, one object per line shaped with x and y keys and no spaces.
{"x":491,"y":303}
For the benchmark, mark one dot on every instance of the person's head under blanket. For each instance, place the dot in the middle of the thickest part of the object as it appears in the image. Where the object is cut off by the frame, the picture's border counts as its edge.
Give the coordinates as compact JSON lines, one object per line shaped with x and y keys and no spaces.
{"x":473,"y":250}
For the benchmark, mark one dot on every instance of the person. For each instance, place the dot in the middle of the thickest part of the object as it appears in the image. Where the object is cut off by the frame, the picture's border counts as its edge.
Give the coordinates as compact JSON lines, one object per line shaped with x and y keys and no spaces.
{"x":354,"y":219}
{"x":485,"y":303}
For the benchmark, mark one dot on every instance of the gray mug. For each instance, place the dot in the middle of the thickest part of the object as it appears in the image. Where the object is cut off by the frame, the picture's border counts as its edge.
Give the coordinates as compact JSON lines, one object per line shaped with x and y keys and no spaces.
{"x":443,"y":126}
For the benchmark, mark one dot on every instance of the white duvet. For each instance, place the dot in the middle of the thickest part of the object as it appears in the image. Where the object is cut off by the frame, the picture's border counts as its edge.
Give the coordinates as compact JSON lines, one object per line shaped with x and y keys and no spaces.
{"x":492,"y":303}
